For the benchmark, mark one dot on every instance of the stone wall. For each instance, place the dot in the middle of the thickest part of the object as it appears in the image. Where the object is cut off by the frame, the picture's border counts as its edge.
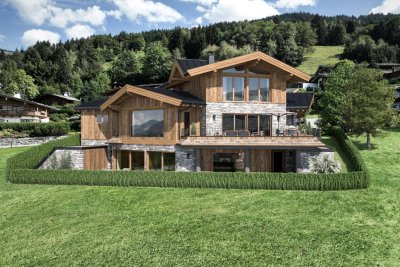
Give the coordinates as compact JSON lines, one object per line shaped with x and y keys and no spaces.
{"x":59,"y":155}
{"x":214,"y":127}
{"x":185,"y":159}
{"x":26,"y":141}
{"x":290,"y":161}
{"x":303,"y":156}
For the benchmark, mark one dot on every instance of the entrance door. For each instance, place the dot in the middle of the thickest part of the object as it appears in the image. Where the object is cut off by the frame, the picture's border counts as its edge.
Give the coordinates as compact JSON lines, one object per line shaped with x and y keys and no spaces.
{"x":186,"y":124}
{"x":277,"y":161}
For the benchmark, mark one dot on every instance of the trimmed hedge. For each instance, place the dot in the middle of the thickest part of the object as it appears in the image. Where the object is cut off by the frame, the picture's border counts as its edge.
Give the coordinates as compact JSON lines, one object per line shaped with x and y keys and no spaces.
{"x":277,"y":181}
{"x":21,"y":169}
{"x":38,"y":129}
{"x":349,"y":148}
{"x":31,"y":158}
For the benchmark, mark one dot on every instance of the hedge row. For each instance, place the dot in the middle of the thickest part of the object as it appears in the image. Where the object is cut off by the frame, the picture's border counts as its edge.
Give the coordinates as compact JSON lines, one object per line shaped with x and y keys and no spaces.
{"x":38,"y":129}
{"x":22,"y":169}
{"x":275,"y":181}
{"x":31,"y":158}
{"x":349,"y":148}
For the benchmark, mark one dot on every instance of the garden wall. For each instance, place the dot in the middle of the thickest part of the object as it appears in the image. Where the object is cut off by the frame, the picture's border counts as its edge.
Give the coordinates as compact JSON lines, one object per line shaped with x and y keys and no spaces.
{"x":26,"y":141}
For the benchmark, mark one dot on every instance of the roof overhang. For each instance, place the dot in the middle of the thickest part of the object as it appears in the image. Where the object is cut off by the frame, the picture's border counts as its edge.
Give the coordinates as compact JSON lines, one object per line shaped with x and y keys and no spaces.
{"x":295,"y":74}
{"x":130,"y":89}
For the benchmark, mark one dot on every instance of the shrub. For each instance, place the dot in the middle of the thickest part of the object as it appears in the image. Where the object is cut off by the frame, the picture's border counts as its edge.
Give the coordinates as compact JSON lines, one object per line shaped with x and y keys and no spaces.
{"x":351,"y":151}
{"x":324,"y":164}
{"x":38,"y":129}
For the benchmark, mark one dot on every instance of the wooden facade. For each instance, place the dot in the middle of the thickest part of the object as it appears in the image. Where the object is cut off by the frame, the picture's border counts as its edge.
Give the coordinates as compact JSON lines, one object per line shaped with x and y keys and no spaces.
{"x":11,"y":107}
{"x":95,"y":158}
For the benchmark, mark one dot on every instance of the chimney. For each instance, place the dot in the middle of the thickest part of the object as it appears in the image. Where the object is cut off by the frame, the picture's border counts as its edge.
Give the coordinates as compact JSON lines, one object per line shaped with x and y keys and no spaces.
{"x":17,"y":95}
{"x":211,"y":58}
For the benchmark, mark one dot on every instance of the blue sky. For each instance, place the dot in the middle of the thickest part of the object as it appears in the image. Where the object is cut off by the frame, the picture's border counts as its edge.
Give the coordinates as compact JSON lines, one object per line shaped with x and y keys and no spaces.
{"x":23,"y":22}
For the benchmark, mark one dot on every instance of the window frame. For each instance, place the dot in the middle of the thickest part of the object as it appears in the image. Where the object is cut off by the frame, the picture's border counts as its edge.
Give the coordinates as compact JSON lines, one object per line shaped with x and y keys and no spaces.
{"x":246,"y":121}
{"x":143,"y":110}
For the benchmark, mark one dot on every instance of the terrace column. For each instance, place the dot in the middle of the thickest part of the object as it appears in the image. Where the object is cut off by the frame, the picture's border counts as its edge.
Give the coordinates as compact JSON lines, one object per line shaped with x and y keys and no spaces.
{"x":246,"y":160}
{"x":197,"y":160}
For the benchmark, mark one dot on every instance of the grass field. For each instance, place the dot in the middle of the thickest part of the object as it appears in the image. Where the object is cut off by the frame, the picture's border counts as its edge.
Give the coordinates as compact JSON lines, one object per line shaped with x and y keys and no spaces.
{"x":322,"y":55}
{"x":78,"y":225}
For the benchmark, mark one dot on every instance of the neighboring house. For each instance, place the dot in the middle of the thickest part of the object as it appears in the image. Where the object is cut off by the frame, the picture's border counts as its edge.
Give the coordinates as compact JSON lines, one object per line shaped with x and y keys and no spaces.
{"x":57,"y":100}
{"x":294,"y":88}
{"x":210,"y":116}
{"x":298,"y":103}
{"x":16,"y":109}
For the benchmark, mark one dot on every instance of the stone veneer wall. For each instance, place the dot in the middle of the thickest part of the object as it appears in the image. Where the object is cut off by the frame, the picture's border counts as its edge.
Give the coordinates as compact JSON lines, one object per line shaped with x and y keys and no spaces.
{"x":290,"y":161}
{"x":27,"y":141}
{"x":214,"y":127}
{"x":303,"y":156}
{"x":76,"y":158}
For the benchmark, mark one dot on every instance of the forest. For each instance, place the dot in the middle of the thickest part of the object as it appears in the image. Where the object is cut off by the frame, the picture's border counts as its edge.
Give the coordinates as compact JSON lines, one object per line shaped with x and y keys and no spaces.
{"x":86,"y":68}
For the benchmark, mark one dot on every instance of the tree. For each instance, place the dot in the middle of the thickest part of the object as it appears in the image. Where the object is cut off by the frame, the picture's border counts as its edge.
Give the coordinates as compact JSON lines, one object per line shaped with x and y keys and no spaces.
{"x":337,"y":33}
{"x":368,"y":103}
{"x":321,"y":28}
{"x":127,"y":67}
{"x":95,"y":88}
{"x":22,"y":83}
{"x":157,"y":63}
{"x":332,"y":97}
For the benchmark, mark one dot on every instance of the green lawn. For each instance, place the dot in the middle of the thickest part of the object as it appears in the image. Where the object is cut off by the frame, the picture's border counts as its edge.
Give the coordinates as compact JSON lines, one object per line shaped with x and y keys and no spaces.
{"x":322,"y":55}
{"x":81,"y":225}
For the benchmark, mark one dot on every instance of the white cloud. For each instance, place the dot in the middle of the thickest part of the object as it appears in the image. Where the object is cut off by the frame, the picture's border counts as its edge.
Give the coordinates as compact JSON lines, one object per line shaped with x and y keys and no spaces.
{"x":62,"y":17}
{"x":153,"y":12}
{"x":30,"y":37}
{"x":388,"y":6}
{"x":32,"y":11}
{"x":227,"y":10}
{"x":39,"y":12}
{"x":2,"y":38}
{"x":294,"y":4}
{"x":79,"y":31}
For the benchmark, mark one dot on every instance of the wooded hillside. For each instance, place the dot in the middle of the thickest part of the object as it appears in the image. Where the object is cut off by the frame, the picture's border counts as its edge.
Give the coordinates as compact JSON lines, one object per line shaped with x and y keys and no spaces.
{"x":88,"y":67}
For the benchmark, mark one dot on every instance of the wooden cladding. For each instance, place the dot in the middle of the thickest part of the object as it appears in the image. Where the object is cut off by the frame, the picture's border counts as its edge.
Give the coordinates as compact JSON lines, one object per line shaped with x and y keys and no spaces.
{"x":92,"y":130}
{"x":95,"y":158}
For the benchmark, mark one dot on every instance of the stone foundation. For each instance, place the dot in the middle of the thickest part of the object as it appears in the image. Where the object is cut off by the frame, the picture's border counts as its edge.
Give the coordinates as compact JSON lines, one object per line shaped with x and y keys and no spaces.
{"x":55,"y":160}
{"x":303,"y":156}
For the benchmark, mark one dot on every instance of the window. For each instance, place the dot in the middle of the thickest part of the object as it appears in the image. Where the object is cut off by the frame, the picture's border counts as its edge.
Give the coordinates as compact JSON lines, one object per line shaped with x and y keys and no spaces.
{"x":238,"y":69}
{"x":102,"y":118}
{"x":155,"y":161}
{"x":254,"y":123}
{"x":169,"y":161}
{"x":148,"y":123}
{"x":233,"y":88}
{"x":228,"y":162}
{"x":258,"y":89}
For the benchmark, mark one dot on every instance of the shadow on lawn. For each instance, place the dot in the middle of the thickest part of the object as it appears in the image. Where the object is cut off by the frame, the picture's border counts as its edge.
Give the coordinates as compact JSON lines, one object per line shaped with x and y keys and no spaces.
{"x":362,"y":145}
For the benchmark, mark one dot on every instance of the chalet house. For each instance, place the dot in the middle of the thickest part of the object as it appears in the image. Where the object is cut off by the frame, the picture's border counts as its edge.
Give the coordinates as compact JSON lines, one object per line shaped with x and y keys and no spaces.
{"x":16,"y":109}
{"x":56,"y":99}
{"x":210,"y":116}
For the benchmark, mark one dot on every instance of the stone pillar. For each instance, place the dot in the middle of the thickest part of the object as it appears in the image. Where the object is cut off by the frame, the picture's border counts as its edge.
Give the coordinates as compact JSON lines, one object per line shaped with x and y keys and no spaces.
{"x":146,"y":161}
{"x":198,"y":160}
{"x":246,"y":160}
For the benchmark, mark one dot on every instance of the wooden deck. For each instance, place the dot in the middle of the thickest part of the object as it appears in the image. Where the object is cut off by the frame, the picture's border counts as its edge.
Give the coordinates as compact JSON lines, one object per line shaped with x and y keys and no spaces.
{"x":267,"y":142}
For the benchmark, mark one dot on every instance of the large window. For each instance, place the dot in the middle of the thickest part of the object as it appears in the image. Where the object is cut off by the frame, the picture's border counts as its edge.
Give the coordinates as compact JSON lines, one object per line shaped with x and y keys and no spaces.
{"x":245,"y":84}
{"x":233,"y":88}
{"x":254,"y":123}
{"x":148,"y":123}
{"x":258,"y":89}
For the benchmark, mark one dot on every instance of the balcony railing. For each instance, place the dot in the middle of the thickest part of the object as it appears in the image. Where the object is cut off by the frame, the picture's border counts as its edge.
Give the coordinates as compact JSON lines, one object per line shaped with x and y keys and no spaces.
{"x":23,"y":113}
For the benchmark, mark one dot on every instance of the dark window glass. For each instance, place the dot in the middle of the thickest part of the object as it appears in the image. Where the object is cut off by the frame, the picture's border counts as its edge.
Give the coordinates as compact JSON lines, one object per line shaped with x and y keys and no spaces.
{"x":99,"y":118}
{"x":253,"y":89}
{"x":253,"y":123}
{"x":264,"y":89}
{"x":169,"y":161}
{"x":265,"y":124}
{"x":137,"y":159}
{"x":227,"y":122}
{"x":228,"y":162}
{"x":155,"y":161}
{"x":240,"y":122}
{"x":148,"y":123}
{"x":228,"y":93}
{"x":239,"y":88}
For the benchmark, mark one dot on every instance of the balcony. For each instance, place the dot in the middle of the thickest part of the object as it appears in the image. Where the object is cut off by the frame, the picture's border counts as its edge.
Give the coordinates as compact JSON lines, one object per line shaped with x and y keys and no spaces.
{"x":20,"y":113}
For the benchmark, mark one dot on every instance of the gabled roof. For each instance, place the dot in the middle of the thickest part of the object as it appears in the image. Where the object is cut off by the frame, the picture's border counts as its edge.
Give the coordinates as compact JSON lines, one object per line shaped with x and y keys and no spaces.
{"x":26,"y":101}
{"x":91,"y":105}
{"x":188,"y":64}
{"x":169,"y":96}
{"x":299,"y":100}
{"x":69,"y":98}
{"x":296,"y":75}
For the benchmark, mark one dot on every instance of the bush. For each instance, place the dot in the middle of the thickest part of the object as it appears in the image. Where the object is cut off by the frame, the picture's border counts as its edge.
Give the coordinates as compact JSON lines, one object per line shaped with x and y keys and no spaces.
{"x":21,"y":169}
{"x":324,"y":164}
{"x":38,"y":129}
{"x":351,"y":151}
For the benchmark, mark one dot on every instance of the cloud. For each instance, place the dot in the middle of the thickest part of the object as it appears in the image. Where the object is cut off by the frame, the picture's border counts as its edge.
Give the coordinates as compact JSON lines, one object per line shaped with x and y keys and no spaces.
{"x":294,"y":4}
{"x":39,"y":12}
{"x":153,"y":12}
{"x":30,"y":37}
{"x":32,"y":11}
{"x":227,"y":10}
{"x":2,"y":38}
{"x":62,"y":17}
{"x":388,"y":6}
{"x":79,"y":31}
